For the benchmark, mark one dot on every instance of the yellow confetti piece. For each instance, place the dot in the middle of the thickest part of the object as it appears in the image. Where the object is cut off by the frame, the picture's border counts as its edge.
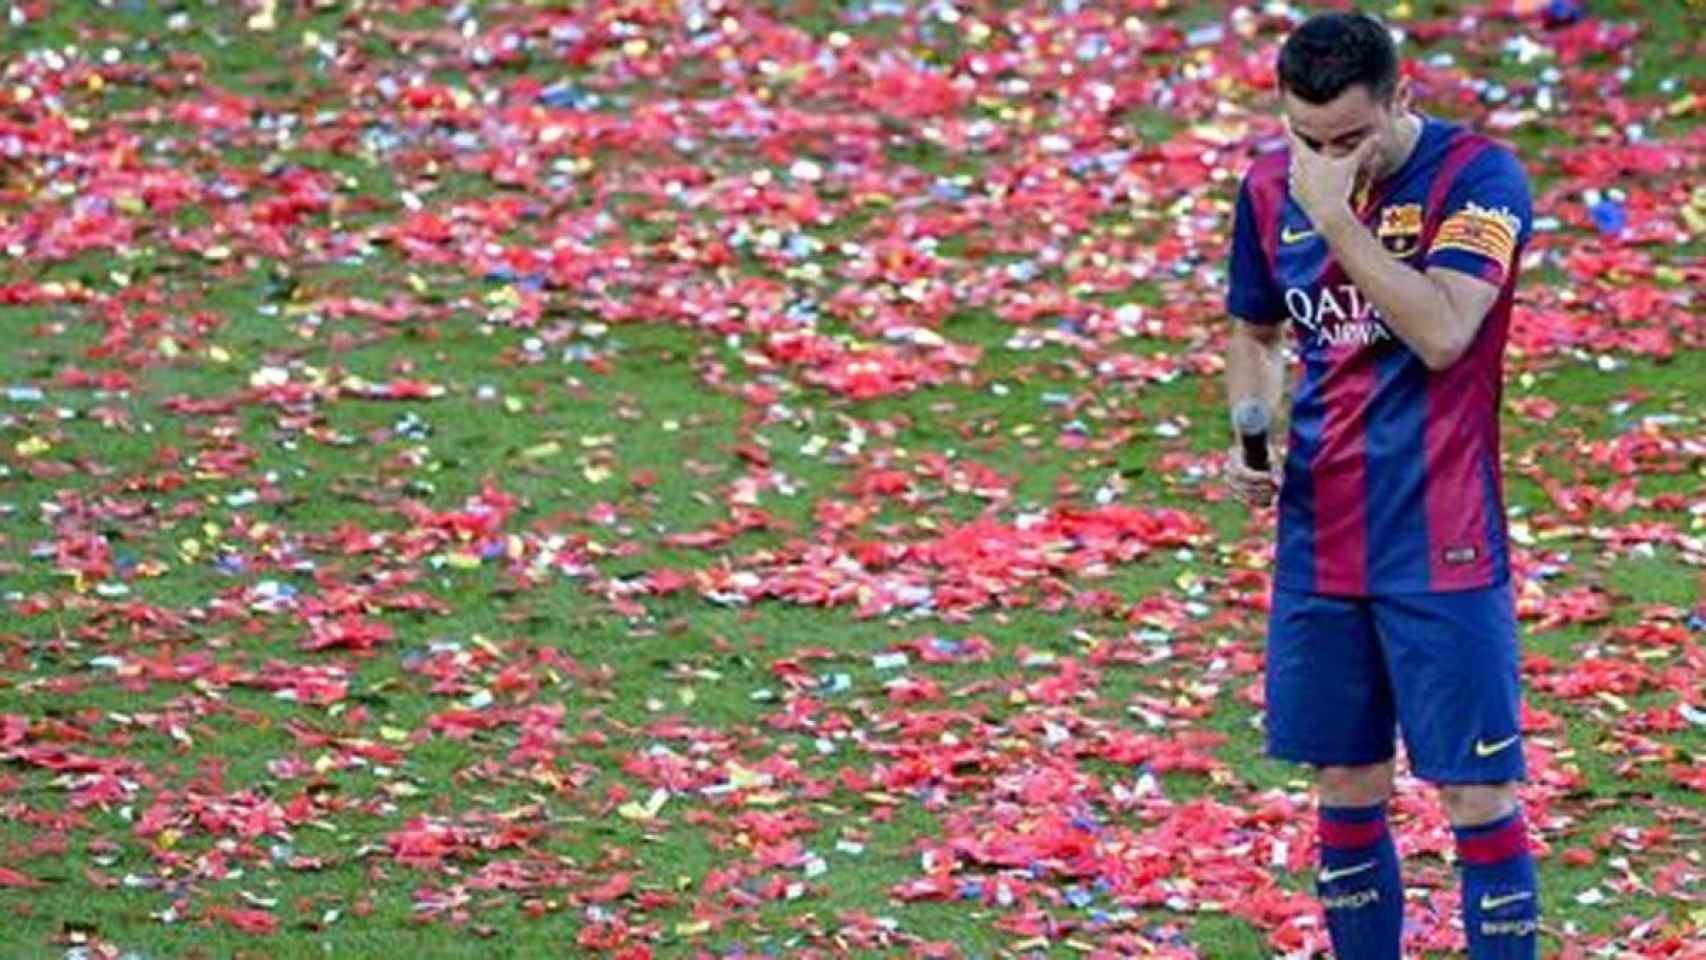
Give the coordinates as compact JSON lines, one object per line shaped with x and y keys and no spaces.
{"x":217,"y":253}
{"x":32,"y":447}
{"x":634,"y":810}
{"x":393,"y":734}
{"x":462,"y":561}
{"x":692,"y":928}
{"x":540,"y":451}
{"x":168,"y":348}
{"x":743,"y":779}
{"x":218,"y":355}
{"x":265,"y":18}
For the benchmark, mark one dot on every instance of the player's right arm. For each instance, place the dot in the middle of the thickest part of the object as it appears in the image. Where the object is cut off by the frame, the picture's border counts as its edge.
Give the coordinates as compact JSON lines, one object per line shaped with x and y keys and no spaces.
{"x":1255,"y":370}
{"x":1255,"y":352}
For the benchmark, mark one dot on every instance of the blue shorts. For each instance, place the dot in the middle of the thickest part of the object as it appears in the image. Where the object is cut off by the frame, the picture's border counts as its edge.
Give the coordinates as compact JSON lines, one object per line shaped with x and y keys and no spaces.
{"x":1345,"y":673}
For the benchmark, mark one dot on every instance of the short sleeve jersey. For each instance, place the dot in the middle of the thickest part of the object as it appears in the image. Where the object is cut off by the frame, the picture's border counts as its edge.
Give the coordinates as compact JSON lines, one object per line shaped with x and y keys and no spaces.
{"x":1392,"y":481}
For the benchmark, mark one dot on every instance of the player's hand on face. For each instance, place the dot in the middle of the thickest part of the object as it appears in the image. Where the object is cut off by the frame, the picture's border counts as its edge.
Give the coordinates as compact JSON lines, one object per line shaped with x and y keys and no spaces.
{"x":1253,"y":488}
{"x":1322,"y":185}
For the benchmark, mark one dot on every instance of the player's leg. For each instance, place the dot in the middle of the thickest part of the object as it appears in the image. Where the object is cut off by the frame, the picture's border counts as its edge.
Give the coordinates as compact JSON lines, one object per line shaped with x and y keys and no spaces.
{"x":1329,"y":705}
{"x":1501,"y":896}
{"x":1455,"y":676}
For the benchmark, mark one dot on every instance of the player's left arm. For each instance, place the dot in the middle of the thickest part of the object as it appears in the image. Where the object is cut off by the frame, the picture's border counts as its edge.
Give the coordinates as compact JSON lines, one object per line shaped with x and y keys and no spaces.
{"x":1435,"y":311}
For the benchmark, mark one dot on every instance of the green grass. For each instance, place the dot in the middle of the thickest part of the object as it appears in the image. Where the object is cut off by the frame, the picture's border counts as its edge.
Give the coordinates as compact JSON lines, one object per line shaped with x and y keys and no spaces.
{"x":648,"y":429}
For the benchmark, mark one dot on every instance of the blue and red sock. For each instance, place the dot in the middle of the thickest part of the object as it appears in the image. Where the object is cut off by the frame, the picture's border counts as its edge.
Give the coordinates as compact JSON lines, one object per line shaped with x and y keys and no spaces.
{"x":1501,"y":900}
{"x":1360,"y":884}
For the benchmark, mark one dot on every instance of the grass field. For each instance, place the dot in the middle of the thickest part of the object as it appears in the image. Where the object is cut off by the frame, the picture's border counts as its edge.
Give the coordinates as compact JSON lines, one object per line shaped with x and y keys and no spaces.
{"x":741,"y":479}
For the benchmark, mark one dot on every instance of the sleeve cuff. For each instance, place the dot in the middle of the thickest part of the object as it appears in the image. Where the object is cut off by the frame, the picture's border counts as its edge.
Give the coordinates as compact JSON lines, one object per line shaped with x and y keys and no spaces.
{"x":1474,"y":264}
{"x":1251,"y":311}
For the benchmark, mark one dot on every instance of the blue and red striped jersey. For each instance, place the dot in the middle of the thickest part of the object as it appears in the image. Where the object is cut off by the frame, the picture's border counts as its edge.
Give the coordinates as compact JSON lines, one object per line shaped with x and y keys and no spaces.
{"x":1391,"y":481}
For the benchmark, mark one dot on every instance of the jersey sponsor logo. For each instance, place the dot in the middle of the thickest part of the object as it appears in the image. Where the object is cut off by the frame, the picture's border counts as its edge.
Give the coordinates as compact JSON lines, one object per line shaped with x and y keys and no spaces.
{"x":1329,"y":875}
{"x":1337,"y":316}
{"x":1484,"y":749}
{"x":1490,"y":232}
{"x":1509,"y":928}
{"x":1460,"y":556}
{"x":1400,"y":228}
{"x":1289,"y":236}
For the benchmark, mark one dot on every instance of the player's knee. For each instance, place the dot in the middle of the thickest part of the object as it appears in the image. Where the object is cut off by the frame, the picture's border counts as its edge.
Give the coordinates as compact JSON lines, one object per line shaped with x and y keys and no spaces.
{"x":1476,"y":803}
{"x":1354,"y":786}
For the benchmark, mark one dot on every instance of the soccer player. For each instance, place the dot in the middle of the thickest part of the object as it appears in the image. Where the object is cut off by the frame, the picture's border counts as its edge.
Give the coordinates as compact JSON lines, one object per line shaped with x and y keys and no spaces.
{"x":1391,"y":241}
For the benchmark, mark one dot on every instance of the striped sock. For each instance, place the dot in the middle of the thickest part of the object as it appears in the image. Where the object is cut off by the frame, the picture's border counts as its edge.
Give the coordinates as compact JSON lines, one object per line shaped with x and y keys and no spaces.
{"x":1360,"y":884}
{"x":1501,"y":901}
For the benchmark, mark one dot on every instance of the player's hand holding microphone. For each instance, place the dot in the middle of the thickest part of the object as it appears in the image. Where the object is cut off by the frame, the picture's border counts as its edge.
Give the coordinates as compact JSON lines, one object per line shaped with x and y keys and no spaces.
{"x":1249,"y":467}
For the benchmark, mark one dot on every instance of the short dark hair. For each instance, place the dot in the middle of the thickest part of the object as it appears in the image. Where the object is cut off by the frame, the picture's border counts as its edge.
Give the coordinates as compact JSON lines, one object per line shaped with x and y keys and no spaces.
{"x":1332,"y":52}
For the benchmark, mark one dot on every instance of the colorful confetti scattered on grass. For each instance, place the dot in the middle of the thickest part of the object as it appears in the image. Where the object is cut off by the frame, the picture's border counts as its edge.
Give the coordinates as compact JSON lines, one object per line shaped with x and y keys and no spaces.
{"x":734,"y":479}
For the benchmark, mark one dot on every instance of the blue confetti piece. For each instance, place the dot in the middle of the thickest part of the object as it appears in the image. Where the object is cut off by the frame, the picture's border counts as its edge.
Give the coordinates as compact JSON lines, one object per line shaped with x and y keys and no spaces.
{"x":947,"y":190}
{"x":1561,"y":13}
{"x":562,"y":96}
{"x":1609,"y":216}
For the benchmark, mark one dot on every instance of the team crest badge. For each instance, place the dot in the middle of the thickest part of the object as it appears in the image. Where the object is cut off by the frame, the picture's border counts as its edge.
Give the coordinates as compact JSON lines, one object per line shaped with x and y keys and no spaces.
{"x":1400,"y":228}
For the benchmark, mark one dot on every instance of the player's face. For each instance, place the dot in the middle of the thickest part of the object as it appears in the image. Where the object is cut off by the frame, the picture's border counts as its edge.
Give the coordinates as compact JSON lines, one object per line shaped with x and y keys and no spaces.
{"x":1338,"y":127}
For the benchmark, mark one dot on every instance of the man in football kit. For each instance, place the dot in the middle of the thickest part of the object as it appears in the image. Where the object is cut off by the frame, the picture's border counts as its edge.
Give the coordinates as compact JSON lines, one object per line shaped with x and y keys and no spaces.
{"x":1391,"y":241}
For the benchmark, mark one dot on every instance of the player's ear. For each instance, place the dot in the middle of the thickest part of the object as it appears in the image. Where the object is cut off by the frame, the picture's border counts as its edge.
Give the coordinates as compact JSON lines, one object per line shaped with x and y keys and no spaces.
{"x":1401,"y":94}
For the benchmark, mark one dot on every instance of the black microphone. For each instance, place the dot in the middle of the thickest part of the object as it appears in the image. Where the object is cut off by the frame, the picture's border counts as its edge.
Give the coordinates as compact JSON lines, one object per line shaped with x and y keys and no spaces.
{"x":1251,"y":420}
